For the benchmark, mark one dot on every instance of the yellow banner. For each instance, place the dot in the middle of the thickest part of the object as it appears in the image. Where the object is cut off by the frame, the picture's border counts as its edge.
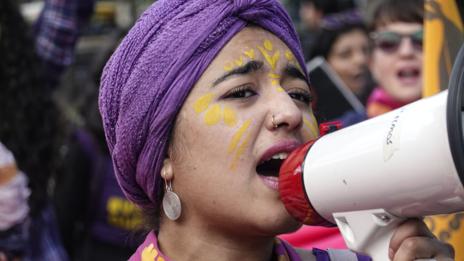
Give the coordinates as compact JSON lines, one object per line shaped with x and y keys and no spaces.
{"x":442,"y":39}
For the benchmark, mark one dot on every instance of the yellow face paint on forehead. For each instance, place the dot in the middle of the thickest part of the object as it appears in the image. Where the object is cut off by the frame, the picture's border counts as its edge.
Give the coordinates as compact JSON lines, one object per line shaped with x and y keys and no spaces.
{"x":239,"y":61}
{"x":268,"y":45}
{"x":292,"y":60}
{"x":275,"y":75}
{"x":229,"y":66}
{"x":250,"y":54}
{"x":271,"y":59}
{"x":271,"y":56}
{"x":289,"y":56}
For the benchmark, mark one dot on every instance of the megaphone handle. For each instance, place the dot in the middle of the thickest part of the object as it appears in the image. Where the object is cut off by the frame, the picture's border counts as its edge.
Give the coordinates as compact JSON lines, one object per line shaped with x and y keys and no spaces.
{"x":368,"y":231}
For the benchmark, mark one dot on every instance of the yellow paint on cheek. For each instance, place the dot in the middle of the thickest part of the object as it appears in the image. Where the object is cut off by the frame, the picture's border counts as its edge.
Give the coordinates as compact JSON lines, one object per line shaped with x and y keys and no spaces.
{"x":202,"y":103}
{"x":230,"y":117}
{"x":313,"y":119}
{"x":280,"y":89}
{"x":238,"y":135}
{"x":268,"y":45}
{"x":213,"y":115}
{"x":250,"y":54}
{"x":240,"y":151}
{"x":312,"y":125}
{"x":274,"y":82}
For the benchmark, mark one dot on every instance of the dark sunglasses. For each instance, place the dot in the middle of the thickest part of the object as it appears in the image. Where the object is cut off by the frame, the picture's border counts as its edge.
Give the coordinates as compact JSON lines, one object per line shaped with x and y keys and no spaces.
{"x":389,"y":42}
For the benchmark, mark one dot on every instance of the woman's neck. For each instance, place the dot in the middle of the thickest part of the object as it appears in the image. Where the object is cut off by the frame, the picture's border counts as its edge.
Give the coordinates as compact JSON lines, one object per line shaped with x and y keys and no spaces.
{"x":181,"y":242}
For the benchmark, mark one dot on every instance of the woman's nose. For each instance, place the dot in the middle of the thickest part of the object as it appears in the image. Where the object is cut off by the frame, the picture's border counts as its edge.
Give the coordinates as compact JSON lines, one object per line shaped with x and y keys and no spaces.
{"x":406,"y":47}
{"x":284,"y":113}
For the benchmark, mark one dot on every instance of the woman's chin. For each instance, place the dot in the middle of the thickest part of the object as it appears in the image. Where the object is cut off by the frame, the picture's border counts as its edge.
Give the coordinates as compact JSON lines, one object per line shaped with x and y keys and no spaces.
{"x":283,"y":225}
{"x":294,"y":226}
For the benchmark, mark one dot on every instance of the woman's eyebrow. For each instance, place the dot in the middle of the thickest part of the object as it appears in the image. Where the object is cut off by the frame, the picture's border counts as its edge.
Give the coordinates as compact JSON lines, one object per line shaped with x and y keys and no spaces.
{"x":249,"y":67}
{"x":293,"y":72}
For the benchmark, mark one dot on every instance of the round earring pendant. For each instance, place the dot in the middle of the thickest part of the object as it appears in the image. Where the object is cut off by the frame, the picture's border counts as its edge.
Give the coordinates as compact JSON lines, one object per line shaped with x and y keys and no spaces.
{"x":171,"y":205}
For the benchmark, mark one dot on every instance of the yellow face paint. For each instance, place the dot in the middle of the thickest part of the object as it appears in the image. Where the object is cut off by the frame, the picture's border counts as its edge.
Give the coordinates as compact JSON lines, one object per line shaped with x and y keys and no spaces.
{"x":271,"y":59}
{"x":239,"y":152}
{"x":250,"y":54}
{"x":280,"y":89}
{"x":239,"y":62}
{"x":228,"y":67}
{"x":313,"y":119}
{"x":312,"y":125}
{"x":230,"y":117}
{"x":274,"y":82}
{"x":202,"y":103}
{"x":268,"y":45}
{"x":274,"y":76}
{"x":238,"y":135}
{"x":289,"y":56}
{"x":213,"y":115}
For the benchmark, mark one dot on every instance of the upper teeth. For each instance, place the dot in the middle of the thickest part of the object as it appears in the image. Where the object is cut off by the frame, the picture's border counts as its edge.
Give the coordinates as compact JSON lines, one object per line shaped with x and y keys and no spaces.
{"x":281,"y":156}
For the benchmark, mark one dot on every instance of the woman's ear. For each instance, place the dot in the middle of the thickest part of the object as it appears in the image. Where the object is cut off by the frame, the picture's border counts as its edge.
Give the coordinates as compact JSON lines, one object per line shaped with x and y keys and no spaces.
{"x":166,"y":170}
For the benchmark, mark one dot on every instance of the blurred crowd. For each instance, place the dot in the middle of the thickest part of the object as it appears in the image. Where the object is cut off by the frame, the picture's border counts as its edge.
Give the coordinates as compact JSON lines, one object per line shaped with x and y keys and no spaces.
{"x":59,"y":199}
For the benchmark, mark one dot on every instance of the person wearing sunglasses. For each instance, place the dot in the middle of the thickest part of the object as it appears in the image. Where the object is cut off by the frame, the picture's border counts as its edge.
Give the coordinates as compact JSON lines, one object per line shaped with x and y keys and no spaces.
{"x":396,"y":54}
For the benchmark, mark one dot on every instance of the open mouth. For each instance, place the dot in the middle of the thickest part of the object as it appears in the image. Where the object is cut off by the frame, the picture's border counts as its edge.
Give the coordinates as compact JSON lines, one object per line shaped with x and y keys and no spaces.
{"x":270,"y":167}
{"x":409,"y":74}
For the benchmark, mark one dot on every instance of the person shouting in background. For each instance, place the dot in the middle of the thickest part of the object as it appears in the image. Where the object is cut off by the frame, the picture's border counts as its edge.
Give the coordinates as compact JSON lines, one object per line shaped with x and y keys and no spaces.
{"x":396,"y":58}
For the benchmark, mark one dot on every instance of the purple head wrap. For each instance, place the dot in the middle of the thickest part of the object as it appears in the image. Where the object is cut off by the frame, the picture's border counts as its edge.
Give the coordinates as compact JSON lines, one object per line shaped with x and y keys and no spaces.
{"x":148,"y":78}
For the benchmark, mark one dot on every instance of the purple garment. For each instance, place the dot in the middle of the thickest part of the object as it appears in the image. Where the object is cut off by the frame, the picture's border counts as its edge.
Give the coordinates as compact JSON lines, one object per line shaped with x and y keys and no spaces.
{"x":340,"y":20}
{"x":105,"y":193}
{"x":44,"y":239}
{"x":149,"y":76}
{"x":322,"y":255}
{"x":57,"y":30}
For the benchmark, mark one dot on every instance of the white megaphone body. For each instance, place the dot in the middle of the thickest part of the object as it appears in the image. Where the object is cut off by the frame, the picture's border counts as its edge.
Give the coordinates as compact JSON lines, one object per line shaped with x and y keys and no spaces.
{"x":369,"y":177}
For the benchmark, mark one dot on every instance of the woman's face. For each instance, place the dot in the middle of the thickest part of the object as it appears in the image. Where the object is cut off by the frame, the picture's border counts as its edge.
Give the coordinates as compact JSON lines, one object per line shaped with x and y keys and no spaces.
{"x":226,"y":151}
{"x":396,"y":61}
{"x":348,"y":57}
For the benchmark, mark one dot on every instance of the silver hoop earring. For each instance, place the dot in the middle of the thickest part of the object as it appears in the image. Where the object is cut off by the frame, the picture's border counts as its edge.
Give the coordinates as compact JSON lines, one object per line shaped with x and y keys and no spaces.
{"x":171,"y":203}
{"x":274,"y":124}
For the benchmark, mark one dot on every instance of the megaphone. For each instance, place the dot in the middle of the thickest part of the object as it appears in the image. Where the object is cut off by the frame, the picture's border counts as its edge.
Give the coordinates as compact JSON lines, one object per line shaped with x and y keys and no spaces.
{"x":369,"y":177}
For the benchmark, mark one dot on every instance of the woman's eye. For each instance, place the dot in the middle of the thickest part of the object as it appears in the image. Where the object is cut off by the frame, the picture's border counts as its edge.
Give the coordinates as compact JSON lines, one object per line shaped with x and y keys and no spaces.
{"x":301,"y":96}
{"x":240,"y":92}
